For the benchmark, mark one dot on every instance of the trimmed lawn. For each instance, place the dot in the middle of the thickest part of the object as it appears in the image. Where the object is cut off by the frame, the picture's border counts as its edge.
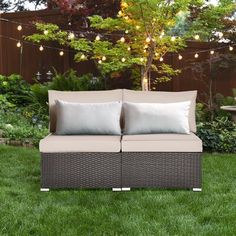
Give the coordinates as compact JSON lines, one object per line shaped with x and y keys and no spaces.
{"x":26,"y":211}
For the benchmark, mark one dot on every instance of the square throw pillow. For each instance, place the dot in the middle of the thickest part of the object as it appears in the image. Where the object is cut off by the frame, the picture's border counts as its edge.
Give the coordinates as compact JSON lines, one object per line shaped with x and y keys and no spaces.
{"x":88,"y":118}
{"x":149,"y":118}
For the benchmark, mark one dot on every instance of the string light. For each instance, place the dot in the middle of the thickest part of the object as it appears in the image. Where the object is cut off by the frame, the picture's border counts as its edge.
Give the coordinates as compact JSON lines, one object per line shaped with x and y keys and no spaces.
{"x":71,"y":36}
{"x":144,"y":50}
{"x":137,"y":27}
{"x":126,"y":17}
{"x":45,"y":32}
{"x":180,"y":57}
{"x":124,"y":4}
{"x":123,"y":59}
{"x":196,"y":55}
{"x":129,"y":48}
{"x":196,"y":37}
{"x":82,"y":57}
{"x":122,"y":39}
{"x":61,"y":53}
{"x":104,"y":58}
{"x":231,"y":48}
{"x":148,"y":39}
{"x":120,"y":13}
{"x":19,"y":27}
{"x":212,"y":52}
{"x":173,"y":38}
{"x":142,"y":59}
{"x":18,"y":44}
{"x":100,"y":62}
{"x":126,"y":31}
{"x":41,"y":48}
{"x":156,"y":54}
{"x":161,"y":59}
{"x":97,"y":38}
{"x":145,"y":46}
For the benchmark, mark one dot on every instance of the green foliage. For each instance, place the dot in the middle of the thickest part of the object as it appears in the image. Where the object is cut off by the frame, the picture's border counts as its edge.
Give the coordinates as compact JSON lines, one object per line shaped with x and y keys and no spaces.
{"x":17,"y":127}
{"x":15,"y":89}
{"x":218,"y":136}
{"x":70,"y":81}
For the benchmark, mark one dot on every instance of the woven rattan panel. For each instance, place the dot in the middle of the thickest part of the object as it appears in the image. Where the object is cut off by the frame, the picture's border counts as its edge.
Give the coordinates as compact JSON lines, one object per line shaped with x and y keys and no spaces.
{"x":161,"y":170}
{"x":80,"y":170}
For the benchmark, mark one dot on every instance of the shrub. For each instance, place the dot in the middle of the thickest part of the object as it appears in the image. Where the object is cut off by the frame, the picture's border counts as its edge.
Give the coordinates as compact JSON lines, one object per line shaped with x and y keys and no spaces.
{"x":218,"y":136}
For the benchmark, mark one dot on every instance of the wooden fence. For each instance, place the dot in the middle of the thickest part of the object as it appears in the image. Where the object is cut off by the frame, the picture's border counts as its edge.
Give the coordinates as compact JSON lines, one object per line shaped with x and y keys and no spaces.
{"x":196,"y":73}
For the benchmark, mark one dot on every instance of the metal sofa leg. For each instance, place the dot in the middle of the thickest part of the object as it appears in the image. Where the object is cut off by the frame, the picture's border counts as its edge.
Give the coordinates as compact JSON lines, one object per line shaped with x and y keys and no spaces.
{"x":197,"y":189}
{"x":126,"y":189}
{"x":44,"y":190}
{"x":121,"y":189}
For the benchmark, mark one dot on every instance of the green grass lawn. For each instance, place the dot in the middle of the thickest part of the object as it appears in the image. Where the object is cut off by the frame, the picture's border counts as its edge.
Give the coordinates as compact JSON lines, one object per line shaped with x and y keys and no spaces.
{"x":26,"y":211}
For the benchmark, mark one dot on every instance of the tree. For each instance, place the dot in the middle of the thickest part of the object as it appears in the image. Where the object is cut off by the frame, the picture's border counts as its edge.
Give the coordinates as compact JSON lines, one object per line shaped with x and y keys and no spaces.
{"x":141,"y":34}
{"x":18,"y":5}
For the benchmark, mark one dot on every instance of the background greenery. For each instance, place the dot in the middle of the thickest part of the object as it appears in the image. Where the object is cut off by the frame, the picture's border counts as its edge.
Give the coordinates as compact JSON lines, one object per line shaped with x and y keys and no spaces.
{"x":24,"y":110}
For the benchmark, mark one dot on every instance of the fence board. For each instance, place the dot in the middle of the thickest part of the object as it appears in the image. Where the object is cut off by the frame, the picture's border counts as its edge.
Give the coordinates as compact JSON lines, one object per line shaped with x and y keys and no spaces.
{"x":34,"y":61}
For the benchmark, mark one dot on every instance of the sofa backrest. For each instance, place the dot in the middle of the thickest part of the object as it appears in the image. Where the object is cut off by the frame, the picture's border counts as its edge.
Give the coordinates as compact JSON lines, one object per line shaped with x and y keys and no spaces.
{"x":80,"y":97}
{"x":164,"y":97}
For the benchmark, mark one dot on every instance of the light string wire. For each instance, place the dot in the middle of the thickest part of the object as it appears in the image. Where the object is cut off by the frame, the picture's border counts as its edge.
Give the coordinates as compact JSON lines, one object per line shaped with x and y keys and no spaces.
{"x":195,"y":52}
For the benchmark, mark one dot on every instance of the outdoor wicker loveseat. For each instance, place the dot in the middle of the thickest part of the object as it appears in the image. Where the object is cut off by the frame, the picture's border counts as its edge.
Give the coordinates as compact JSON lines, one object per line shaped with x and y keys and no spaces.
{"x":121,"y":162}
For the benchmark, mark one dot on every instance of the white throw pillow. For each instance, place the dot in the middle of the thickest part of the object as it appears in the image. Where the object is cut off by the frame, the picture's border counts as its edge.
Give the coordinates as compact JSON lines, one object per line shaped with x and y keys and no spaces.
{"x":147,"y":118}
{"x":88,"y":118}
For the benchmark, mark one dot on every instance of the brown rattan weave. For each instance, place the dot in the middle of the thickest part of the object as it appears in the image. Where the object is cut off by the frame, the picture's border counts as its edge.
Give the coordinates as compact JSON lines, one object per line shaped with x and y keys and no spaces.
{"x":116,"y":170}
{"x":161,"y":170}
{"x":80,"y":170}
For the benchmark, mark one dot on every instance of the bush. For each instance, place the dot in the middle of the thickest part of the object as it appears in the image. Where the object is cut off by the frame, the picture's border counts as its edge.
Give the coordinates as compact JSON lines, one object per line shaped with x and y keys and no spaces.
{"x":16,"y":127}
{"x":15,"y":89}
{"x":218,"y":136}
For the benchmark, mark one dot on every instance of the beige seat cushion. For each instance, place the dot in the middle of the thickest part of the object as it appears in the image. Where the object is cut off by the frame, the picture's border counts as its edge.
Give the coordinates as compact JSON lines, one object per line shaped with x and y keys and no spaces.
{"x":80,"y":143}
{"x":80,"y":97}
{"x":161,"y":143}
{"x":164,"y":97}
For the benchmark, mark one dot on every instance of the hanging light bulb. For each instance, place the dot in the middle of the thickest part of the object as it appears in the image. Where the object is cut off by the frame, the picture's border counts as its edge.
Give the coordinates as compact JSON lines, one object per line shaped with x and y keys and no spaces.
{"x":19,"y":27}
{"x":231,"y":48}
{"x":41,"y":48}
{"x":161,"y":59}
{"x":129,"y":48}
{"x":212,"y":52}
{"x":124,"y":4}
{"x":126,"y":31}
{"x":97,"y":38}
{"x":120,"y":13}
{"x":196,"y":37}
{"x":180,"y":57}
{"x":45,"y":32}
{"x":82,"y":57}
{"x":122,"y":39}
{"x":71,"y":36}
{"x":18,"y":44}
{"x":196,"y":55}
{"x":100,"y":62}
{"x":148,"y":40}
{"x":104,"y":58}
{"x":123,"y":59}
{"x":61,"y":53}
